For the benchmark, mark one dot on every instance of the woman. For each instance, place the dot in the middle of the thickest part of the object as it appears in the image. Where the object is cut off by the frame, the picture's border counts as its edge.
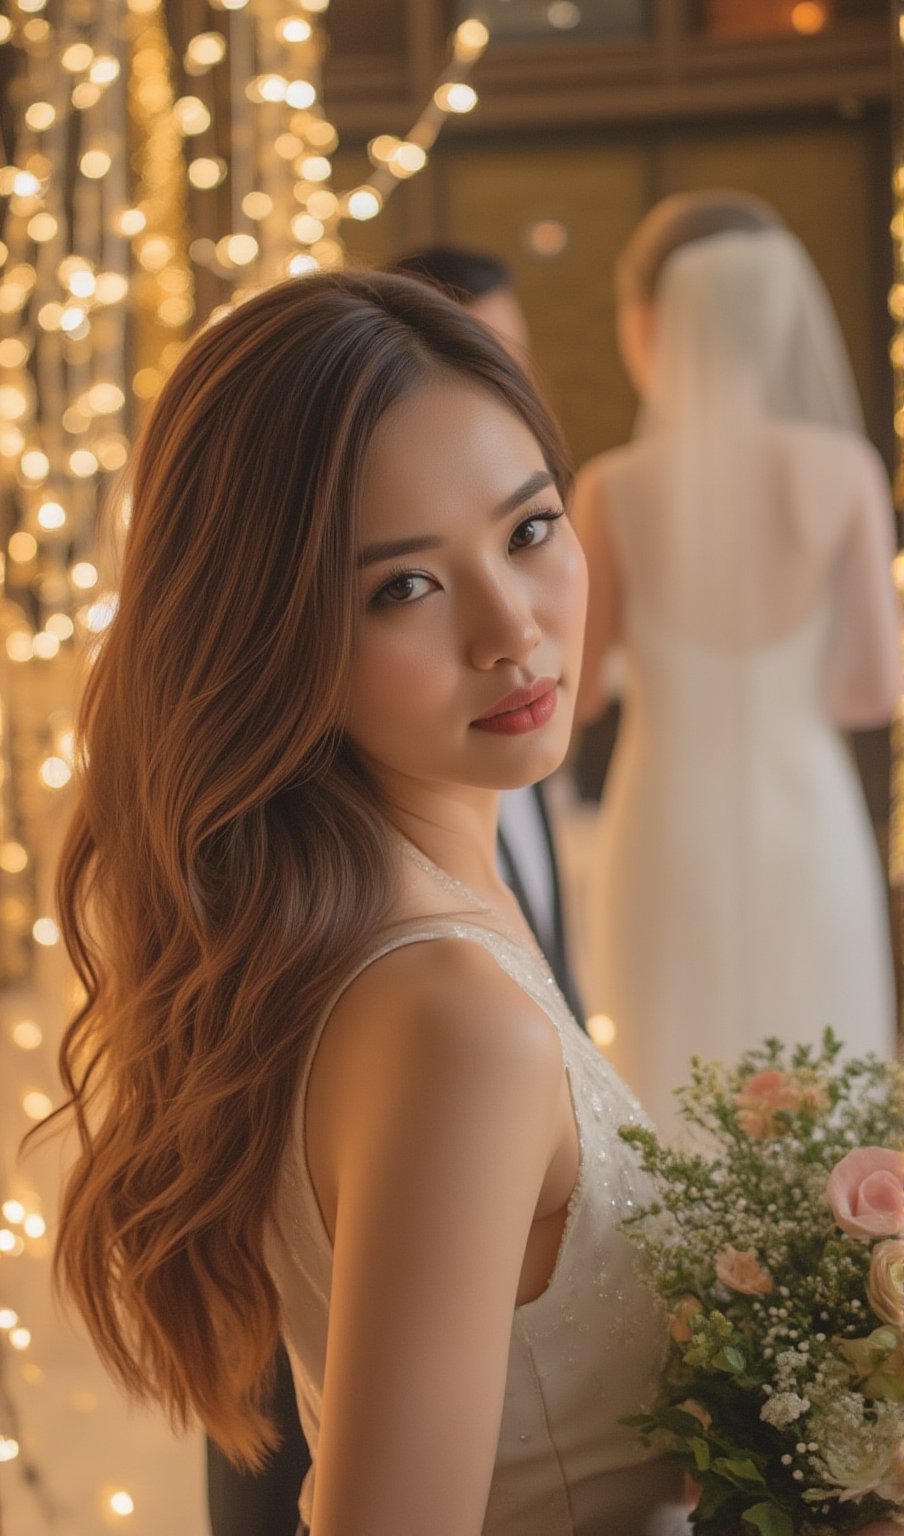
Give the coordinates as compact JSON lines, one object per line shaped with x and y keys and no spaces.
{"x":324,"y":1081}
{"x":740,"y":550}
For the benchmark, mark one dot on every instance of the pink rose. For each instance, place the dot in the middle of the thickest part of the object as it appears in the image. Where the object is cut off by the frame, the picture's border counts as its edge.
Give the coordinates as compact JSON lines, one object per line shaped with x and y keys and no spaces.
{"x":743,"y":1272}
{"x":765,"y":1094}
{"x":885,"y":1286}
{"x":866,"y":1193}
{"x":759,"y":1099}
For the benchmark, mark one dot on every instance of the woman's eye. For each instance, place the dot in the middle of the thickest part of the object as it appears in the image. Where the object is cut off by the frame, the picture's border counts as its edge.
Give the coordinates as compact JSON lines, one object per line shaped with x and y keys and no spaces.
{"x":537,"y":529}
{"x":404,"y":588}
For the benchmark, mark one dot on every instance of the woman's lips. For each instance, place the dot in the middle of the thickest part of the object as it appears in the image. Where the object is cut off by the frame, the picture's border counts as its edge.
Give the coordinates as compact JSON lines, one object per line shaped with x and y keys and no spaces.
{"x":538,"y":708}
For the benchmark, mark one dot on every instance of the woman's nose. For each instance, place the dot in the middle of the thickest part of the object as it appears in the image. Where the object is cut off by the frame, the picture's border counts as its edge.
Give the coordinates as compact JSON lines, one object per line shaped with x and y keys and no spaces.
{"x":504,"y":627}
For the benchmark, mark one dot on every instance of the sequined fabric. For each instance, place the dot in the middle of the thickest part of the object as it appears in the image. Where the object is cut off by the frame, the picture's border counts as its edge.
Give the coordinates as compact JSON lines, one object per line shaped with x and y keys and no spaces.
{"x":583,"y":1354}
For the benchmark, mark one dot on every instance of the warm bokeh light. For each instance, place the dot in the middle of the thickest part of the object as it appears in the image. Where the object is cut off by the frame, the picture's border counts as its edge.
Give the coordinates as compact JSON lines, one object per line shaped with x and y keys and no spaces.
{"x":601,"y":1030}
{"x":809,"y":17}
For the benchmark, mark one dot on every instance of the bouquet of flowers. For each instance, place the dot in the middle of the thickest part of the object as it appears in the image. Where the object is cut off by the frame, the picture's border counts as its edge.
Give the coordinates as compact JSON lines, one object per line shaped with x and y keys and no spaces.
{"x":777,"y":1251}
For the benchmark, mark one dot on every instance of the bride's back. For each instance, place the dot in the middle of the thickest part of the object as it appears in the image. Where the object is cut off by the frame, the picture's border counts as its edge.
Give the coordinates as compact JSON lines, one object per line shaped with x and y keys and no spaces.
{"x":751,"y":569}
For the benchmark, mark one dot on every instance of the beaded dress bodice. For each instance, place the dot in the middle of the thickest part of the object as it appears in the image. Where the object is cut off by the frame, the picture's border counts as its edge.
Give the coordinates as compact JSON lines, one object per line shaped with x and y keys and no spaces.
{"x":582,"y":1355}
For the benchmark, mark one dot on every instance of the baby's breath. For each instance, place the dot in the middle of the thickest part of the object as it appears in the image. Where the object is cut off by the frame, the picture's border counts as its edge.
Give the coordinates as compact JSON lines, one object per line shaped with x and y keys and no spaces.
{"x":799,"y":1385}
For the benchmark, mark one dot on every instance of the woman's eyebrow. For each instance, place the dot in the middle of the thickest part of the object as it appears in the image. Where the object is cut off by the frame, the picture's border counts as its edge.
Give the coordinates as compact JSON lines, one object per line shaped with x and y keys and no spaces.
{"x":388,"y":549}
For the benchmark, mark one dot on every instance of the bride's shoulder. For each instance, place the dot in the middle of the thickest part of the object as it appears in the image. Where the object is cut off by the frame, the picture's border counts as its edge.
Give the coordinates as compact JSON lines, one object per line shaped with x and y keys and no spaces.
{"x":441,"y":992}
{"x":816,"y":444}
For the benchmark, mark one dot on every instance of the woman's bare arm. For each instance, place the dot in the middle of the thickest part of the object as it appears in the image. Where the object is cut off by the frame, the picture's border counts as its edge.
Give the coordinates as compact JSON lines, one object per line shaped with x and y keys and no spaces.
{"x":865,"y":663}
{"x":438,"y":1106}
{"x":591,"y":522}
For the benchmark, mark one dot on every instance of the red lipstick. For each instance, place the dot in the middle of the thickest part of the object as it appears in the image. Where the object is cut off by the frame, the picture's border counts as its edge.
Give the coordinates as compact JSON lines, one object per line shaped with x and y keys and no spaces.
{"x":524,"y":710}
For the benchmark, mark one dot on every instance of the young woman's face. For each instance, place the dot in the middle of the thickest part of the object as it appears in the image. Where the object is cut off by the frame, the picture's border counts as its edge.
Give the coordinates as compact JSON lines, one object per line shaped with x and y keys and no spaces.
{"x":473,"y":592}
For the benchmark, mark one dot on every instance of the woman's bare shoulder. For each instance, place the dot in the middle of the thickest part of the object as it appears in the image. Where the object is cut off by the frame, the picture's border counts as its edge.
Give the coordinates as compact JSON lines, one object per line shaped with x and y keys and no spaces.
{"x":439,"y":1025}
{"x":446,"y":992}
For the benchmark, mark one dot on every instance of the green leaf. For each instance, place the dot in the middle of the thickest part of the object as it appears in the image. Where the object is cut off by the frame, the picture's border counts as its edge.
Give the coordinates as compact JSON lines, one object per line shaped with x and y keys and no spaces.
{"x":714,"y":1495}
{"x":768,"y":1519}
{"x":739,"y":1469}
{"x":729,"y":1359}
{"x":700,"y":1451}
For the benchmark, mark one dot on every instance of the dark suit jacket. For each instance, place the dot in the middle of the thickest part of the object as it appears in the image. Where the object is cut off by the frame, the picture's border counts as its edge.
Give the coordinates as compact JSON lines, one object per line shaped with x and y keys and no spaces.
{"x":266,"y":1503}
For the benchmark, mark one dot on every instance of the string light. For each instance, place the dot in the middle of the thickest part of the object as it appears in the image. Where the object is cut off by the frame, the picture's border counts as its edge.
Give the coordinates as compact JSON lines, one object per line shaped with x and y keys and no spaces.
{"x":83,"y":263}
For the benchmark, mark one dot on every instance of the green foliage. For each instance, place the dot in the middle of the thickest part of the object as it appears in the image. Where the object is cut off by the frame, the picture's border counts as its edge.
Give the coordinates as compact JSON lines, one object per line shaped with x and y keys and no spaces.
{"x":800,"y":1389}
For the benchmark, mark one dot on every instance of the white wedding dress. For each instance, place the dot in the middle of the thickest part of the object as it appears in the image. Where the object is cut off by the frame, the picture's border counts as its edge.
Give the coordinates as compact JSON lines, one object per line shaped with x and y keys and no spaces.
{"x":735,"y":888}
{"x":582,"y":1355}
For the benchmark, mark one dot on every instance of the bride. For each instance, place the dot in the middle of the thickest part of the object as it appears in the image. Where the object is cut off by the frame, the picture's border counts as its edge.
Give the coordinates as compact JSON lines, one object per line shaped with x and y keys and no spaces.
{"x":323,"y":1080}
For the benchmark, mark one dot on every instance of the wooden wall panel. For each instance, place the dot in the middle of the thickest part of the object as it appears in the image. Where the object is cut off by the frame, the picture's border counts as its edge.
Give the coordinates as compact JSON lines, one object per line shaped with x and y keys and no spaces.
{"x":826,"y":177}
{"x":491,"y":196}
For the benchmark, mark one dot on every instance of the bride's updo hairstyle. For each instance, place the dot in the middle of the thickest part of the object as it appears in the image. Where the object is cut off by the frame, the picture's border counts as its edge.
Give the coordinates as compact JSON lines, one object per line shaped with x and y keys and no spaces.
{"x":678,"y":221}
{"x":227,"y":863}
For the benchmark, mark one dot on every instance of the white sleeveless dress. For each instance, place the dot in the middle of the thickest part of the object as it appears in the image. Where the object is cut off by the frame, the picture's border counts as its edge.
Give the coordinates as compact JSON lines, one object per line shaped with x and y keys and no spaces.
{"x":735,"y":890}
{"x":586,"y":1352}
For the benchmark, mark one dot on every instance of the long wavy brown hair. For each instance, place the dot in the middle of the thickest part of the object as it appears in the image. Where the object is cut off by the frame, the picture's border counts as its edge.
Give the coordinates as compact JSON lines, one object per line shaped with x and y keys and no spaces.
{"x":228,"y":861}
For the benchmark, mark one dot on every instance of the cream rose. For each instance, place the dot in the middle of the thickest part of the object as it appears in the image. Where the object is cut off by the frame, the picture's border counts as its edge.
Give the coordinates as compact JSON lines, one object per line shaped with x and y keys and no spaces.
{"x":885,"y":1286}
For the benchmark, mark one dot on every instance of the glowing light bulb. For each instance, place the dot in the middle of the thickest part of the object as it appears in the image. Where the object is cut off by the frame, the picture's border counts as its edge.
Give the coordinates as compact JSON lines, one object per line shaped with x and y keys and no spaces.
{"x":95,"y":163}
{"x":363,"y":203}
{"x":306,"y":229}
{"x":51,"y":515}
{"x":809,"y":17}
{"x":323,"y":205}
{"x":601,"y":1030}
{"x":121,"y":1503}
{"x":42,"y":227}
{"x":83,"y":575}
{"x":455,"y":96}
{"x":40,"y":116}
{"x":35,"y":1226}
{"x":315,"y":168}
{"x":408,"y":160}
{"x":54,"y":772}
{"x":25,"y":184}
{"x":131,"y":221}
{"x":7,"y":1240}
{"x":22,"y":547}
{"x":13,"y":858}
{"x":191,"y":115}
{"x":241,"y":249}
{"x":82,"y":284}
{"x":301,"y":265}
{"x":471,"y":38}
{"x":83,"y":463}
{"x":19,"y":1338}
{"x":203,"y":51}
{"x":257,"y":205}
{"x":111,"y":287}
{"x":46,"y":933}
{"x":9,"y":1448}
{"x":19,"y":645}
{"x":72,"y":319}
{"x":104,"y":69}
{"x":8,"y":1318}
{"x":300,"y":94}
{"x":27,"y":1035}
{"x":14,"y":1211}
{"x":34,"y":464}
{"x":61,"y":625}
{"x":293,"y":29}
{"x":206,"y":172}
{"x":46,"y":646}
{"x":105,"y":397}
{"x":13,"y":352}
